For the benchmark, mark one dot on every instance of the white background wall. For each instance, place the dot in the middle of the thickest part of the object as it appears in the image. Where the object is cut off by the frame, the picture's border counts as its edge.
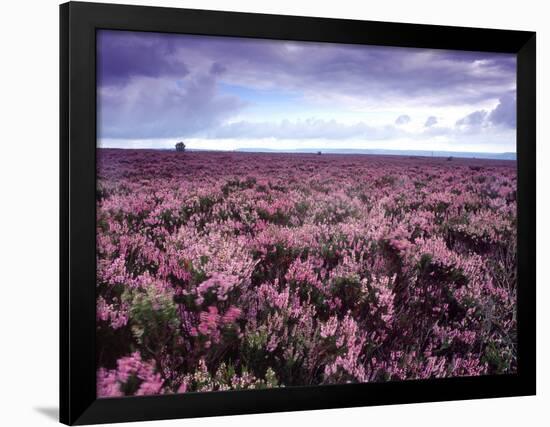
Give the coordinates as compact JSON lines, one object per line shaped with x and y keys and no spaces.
{"x":29,"y":210}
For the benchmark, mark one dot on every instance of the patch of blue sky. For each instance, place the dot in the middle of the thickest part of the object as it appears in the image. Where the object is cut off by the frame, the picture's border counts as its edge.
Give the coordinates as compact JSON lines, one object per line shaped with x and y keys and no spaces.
{"x":260,"y":96}
{"x":277,"y":105}
{"x":267,"y":104}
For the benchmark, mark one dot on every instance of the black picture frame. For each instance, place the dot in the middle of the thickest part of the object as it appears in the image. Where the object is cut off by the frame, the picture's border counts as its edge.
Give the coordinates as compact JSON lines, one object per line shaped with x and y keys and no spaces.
{"x":78,"y":25}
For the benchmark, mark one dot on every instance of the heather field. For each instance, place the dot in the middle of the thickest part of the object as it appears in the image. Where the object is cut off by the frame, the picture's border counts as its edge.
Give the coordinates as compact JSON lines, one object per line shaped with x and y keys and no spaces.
{"x":224,"y":271}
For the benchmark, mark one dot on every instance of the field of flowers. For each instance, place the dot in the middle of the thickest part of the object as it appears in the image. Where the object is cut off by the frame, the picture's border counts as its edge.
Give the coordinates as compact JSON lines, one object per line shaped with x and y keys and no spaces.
{"x":220,"y":271}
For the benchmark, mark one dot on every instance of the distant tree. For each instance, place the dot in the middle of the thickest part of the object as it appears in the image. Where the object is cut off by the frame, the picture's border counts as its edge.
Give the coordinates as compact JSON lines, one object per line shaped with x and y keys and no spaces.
{"x":450,"y":158}
{"x":319,"y":153}
{"x":180,"y":146}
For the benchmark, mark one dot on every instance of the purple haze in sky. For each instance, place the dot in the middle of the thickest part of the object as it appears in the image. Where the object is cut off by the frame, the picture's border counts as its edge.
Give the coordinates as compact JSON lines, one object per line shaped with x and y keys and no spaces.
{"x":268,"y":93}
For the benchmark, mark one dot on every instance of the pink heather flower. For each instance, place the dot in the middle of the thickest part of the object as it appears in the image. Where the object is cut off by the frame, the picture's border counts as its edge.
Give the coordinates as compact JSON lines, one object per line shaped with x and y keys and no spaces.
{"x":209,"y":322}
{"x":273,"y":343}
{"x":219,"y":283}
{"x":328,"y":329}
{"x":117,"y":316}
{"x":400,"y":244}
{"x":151,"y":385}
{"x":183,"y":387}
{"x":128,"y":366}
{"x":260,"y":240}
{"x":231,"y":315}
{"x":107,"y":384}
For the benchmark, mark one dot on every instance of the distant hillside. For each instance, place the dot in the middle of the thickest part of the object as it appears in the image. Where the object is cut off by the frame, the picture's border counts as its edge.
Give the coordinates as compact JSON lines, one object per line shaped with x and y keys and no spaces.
{"x":381,"y":152}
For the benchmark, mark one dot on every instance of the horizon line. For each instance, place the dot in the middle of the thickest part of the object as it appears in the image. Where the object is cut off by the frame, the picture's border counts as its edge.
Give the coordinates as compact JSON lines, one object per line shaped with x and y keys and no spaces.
{"x":503,"y":155}
{"x":305,"y":150}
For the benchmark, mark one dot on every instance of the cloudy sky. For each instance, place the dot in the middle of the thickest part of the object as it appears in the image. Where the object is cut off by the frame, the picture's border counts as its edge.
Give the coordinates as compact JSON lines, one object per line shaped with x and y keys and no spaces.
{"x":227,"y":93}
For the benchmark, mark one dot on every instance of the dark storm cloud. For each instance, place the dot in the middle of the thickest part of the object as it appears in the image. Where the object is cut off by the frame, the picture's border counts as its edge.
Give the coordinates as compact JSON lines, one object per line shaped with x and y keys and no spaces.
{"x":502,"y":116}
{"x":162,"y":85}
{"x":473,"y":119}
{"x":123,"y":55}
{"x":217,"y":68}
{"x":505,"y":112}
{"x":428,"y":76}
{"x":163,"y":108}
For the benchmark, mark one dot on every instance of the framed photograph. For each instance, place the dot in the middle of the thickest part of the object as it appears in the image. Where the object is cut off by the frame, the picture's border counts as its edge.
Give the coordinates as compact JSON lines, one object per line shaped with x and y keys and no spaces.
{"x":268,"y":213}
